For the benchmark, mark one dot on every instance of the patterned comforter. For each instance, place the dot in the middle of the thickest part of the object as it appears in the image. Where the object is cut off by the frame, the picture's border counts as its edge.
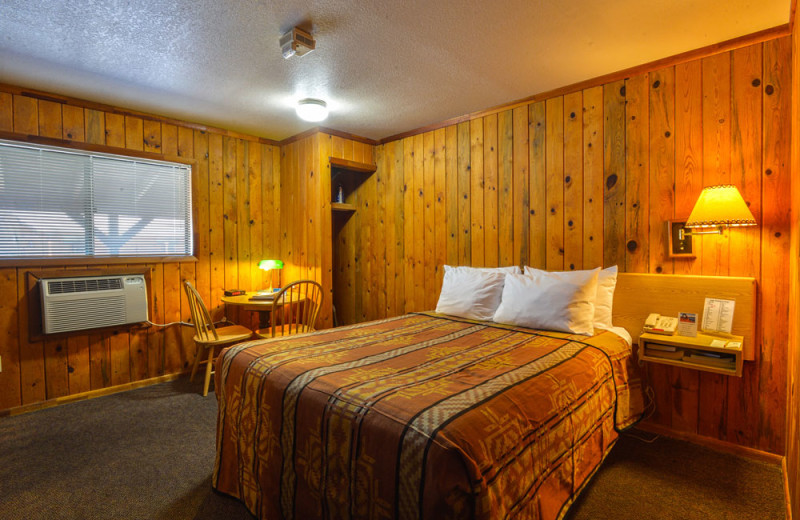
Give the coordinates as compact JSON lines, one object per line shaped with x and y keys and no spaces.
{"x":420,"y":416}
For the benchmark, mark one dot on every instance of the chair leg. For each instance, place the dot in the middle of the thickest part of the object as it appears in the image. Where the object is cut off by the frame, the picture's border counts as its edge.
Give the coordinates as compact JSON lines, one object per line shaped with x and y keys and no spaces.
{"x":209,"y":368}
{"x":196,"y":363}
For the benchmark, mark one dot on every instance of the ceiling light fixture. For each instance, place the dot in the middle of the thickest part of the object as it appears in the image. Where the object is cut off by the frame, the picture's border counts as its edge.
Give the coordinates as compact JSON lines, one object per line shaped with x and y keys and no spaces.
{"x":311,"y":109}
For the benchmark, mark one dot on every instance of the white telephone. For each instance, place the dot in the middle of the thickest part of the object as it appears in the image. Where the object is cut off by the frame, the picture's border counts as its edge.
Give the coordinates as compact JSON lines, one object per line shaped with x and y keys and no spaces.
{"x":659,"y":324}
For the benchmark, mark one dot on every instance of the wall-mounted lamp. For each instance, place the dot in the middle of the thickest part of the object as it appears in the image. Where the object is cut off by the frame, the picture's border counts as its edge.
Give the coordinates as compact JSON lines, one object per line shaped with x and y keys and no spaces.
{"x":268,"y":265}
{"x":717,"y":207}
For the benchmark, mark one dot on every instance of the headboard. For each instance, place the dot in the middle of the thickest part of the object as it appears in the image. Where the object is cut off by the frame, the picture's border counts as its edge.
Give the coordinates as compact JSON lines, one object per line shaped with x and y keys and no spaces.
{"x":637,"y":295}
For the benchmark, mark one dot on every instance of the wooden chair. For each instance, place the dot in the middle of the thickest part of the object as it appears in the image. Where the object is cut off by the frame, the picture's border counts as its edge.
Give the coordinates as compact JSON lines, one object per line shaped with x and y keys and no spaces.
{"x":208,"y":336}
{"x":294,"y":309}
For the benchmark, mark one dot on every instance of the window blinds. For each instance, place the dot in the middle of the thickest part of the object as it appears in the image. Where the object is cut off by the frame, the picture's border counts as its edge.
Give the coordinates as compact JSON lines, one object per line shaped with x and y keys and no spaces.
{"x":58,"y":202}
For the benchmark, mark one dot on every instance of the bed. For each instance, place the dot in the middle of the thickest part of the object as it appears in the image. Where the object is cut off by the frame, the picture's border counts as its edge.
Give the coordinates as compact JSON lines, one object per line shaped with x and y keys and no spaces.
{"x":420,"y":416}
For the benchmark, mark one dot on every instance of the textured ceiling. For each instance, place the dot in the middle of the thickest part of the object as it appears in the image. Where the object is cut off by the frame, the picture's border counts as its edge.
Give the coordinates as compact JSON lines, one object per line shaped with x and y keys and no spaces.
{"x":384,"y":67}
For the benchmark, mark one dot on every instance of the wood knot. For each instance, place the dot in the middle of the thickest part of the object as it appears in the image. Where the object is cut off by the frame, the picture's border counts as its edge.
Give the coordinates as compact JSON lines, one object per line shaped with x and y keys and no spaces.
{"x":756,"y":82}
{"x":622,"y":91}
{"x":632,"y":245}
{"x":656,"y":84}
{"x":611,"y":181}
{"x":769,"y":90}
{"x":567,"y":179}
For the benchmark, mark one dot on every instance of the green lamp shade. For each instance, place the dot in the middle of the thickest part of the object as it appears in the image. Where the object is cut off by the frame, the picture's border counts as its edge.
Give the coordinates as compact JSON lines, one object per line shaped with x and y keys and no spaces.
{"x":270,"y":264}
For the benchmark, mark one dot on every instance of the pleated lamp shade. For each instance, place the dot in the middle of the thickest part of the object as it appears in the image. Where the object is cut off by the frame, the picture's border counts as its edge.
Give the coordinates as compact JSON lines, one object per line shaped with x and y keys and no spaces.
{"x":720,"y":206}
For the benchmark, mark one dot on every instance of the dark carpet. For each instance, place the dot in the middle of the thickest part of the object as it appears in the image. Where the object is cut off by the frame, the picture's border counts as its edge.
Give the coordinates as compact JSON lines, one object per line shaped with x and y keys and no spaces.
{"x":148,"y":454}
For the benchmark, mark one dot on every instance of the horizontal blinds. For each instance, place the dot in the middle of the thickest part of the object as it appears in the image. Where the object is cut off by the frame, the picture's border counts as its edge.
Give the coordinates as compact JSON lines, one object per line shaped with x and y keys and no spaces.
{"x":59,"y":202}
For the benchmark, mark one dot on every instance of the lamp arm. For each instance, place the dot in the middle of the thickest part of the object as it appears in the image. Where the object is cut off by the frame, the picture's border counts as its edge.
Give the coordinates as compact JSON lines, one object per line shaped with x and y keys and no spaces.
{"x":683,"y":233}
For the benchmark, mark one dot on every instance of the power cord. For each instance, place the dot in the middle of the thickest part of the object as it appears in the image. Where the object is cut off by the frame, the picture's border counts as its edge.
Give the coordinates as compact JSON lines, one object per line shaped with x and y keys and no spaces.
{"x":650,"y":409}
{"x":184,"y":323}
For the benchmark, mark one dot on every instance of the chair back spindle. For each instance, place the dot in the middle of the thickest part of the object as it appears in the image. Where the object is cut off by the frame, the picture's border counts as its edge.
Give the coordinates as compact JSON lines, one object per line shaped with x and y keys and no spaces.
{"x":296,"y":307}
{"x":203,"y":325}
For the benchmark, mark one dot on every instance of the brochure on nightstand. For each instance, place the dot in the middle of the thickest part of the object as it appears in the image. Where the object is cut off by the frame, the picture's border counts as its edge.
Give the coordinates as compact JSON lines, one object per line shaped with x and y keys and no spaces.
{"x":687,"y":324}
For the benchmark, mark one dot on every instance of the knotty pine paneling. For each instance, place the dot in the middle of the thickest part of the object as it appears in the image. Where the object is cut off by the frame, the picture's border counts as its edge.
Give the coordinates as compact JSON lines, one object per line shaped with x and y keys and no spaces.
{"x":792,"y":460}
{"x":236,"y":194}
{"x":343,"y":252}
{"x":590,"y":178}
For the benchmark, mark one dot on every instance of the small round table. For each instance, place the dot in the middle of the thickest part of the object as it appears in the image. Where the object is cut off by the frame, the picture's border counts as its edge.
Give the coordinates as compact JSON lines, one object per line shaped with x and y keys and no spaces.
{"x":262,"y":307}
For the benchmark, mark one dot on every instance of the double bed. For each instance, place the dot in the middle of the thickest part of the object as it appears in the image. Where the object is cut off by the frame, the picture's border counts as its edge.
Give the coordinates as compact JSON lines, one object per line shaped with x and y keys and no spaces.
{"x":420,"y":416}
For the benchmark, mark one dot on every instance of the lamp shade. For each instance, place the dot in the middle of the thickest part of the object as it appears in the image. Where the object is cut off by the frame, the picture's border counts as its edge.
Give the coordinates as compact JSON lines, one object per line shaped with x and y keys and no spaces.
{"x":270,"y":264}
{"x":720,"y":206}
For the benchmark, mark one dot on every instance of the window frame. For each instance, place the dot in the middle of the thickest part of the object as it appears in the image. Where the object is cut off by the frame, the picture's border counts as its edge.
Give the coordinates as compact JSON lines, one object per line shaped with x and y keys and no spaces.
{"x":108,"y":260}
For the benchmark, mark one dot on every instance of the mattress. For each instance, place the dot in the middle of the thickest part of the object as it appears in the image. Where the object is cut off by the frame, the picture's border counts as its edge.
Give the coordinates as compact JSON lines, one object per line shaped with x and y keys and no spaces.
{"x":420,"y":416}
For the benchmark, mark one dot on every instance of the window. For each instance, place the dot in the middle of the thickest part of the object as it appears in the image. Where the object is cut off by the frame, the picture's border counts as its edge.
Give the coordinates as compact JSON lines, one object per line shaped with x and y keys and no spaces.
{"x":59,"y":202}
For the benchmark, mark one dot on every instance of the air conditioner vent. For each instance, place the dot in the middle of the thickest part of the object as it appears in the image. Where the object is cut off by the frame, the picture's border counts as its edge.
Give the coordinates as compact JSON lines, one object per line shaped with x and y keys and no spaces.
{"x":83,"y":285}
{"x":90,"y":302}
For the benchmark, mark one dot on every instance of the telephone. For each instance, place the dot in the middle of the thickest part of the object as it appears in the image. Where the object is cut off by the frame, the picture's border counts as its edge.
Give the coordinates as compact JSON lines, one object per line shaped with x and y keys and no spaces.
{"x":659,"y":324}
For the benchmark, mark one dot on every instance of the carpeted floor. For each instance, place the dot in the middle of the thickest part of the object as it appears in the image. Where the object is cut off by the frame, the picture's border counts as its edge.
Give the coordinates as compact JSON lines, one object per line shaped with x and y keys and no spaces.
{"x":148,"y":454}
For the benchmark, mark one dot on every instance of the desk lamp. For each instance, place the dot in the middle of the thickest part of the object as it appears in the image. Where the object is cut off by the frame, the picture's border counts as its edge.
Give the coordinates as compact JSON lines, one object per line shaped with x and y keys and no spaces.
{"x":268,"y":265}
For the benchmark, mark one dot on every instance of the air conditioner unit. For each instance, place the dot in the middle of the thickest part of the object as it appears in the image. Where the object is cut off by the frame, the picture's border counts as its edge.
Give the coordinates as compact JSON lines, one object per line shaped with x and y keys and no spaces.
{"x":90,"y":302}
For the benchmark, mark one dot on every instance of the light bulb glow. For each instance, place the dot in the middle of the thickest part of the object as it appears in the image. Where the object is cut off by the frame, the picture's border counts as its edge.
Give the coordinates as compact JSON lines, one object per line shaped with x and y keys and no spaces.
{"x":313,"y":110}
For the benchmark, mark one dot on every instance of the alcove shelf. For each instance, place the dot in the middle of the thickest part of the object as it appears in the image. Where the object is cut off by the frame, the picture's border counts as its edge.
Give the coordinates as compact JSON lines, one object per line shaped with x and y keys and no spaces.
{"x":352,"y":166}
{"x":342,"y":206}
{"x":347,"y":231}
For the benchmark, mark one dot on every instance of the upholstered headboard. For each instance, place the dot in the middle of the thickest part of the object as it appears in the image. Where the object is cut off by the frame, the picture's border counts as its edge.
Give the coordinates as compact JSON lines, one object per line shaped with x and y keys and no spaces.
{"x":637,"y":295}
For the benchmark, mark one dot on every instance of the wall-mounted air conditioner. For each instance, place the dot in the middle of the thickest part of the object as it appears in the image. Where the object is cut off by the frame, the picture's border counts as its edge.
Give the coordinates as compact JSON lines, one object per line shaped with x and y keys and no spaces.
{"x":90,"y":302}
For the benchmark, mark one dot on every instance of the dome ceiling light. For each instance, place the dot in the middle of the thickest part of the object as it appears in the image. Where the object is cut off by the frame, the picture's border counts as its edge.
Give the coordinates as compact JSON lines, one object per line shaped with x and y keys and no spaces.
{"x":311,"y":109}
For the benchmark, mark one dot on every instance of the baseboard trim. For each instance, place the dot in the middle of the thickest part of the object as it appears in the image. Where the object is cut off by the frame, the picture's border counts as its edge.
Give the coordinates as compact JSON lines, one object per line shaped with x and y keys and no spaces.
{"x":715,"y":444}
{"x":786,"y":492}
{"x":91,"y":394}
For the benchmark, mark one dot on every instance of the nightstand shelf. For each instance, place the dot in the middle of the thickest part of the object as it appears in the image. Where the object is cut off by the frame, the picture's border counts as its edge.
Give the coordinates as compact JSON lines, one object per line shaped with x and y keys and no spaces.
{"x":695,"y":353}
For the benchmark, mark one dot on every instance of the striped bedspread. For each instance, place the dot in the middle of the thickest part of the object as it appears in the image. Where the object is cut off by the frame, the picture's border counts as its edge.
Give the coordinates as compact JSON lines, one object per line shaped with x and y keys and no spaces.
{"x":419,"y":416}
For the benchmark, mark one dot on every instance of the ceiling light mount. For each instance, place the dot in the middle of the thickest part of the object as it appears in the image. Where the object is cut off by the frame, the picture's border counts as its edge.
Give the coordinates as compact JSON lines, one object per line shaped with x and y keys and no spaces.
{"x":311,"y":109}
{"x":296,"y":42}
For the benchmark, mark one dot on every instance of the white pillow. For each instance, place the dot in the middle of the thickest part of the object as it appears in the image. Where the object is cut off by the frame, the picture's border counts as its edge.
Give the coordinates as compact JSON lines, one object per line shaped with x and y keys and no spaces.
{"x":550,"y":301}
{"x":470,"y":293}
{"x":606,"y":283}
{"x":512,"y":269}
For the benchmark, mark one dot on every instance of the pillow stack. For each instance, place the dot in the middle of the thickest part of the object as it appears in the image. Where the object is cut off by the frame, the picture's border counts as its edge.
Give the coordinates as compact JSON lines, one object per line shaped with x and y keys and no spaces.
{"x":575,"y":302}
{"x":472,"y":292}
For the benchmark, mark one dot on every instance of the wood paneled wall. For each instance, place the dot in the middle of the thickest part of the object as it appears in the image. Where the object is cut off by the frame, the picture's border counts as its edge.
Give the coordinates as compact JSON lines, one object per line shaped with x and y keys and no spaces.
{"x":589,"y":178}
{"x":792,"y":461}
{"x":308,"y":245}
{"x":237,"y":200}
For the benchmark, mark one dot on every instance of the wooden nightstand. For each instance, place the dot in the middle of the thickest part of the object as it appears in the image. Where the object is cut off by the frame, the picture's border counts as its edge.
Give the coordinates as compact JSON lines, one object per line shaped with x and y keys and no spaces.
{"x":683,"y":351}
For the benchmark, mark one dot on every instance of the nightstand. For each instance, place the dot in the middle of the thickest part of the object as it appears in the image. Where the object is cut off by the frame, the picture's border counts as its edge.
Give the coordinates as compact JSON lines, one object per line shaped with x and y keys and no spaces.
{"x":695,"y":353}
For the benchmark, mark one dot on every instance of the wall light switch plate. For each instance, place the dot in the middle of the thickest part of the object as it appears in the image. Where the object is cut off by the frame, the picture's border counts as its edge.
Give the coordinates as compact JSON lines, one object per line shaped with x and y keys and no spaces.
{"x":678,"y":248}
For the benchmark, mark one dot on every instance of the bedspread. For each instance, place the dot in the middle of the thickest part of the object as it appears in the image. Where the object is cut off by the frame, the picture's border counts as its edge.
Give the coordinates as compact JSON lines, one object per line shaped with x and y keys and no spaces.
{"x":420,"y":416}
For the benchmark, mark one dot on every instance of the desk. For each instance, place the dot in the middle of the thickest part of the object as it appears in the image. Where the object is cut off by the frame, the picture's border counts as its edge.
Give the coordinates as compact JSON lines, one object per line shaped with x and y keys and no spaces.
{"x":262,"y":307}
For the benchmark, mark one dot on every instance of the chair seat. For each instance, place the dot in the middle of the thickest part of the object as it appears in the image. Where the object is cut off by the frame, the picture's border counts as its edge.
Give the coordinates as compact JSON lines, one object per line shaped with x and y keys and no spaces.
{"x":288,"y":330}
{"x":229,"y":334}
